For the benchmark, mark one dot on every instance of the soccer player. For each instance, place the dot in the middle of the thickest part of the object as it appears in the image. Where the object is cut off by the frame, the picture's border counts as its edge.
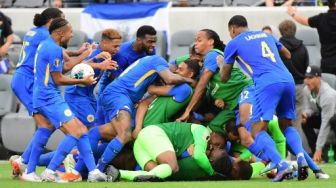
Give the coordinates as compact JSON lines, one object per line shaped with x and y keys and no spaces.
{"x":157,"y":148}
{"x":166,"y":101}
{"x":257,"y":53}
{"x":47,"y":100}
{"x":129,"y":52}
{"x":118,"y":100}
{"x":22,"y":86}
{"x":209,"y":46}
{"x":81,"y":100}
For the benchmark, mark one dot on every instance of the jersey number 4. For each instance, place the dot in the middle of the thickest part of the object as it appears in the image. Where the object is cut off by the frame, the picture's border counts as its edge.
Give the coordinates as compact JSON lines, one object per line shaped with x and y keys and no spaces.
{"x":266,"y":51}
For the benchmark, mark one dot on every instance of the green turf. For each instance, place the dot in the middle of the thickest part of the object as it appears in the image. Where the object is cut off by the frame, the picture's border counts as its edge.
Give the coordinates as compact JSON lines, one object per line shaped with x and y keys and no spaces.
{"x":311,"y":182}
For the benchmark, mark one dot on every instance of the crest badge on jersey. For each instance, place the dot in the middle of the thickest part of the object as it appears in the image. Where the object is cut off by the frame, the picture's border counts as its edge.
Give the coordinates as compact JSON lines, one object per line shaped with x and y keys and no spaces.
{"x":57,"y":62}
{"x":90,"y":118}
{"x":67,"y":112}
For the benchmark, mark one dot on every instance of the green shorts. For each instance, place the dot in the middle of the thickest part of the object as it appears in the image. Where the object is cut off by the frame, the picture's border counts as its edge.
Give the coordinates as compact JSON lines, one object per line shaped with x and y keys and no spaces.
{"x":151,"y":142}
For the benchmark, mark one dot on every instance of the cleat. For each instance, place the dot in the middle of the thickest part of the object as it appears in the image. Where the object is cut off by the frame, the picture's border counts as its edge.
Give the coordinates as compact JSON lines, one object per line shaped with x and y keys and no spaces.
{"x":319,"y":174}
{"x":302,"y":168}
{"x":96,"y":176}
{"x":284,"y":172}
{"x":270,"y":166}
{"x":18,"y":167}
{"x":51,"y":176}
{"x":69,"y":163}
{"x":31,"y":177}
{"x":147,"y":178}
{"x":112,"y":173}
{"x":71,"y":177}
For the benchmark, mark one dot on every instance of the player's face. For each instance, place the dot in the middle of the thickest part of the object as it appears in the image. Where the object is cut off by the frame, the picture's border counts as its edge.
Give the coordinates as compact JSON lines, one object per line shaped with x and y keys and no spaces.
{"x":312,"y":82}
{"x":111,"y":46}
{"x":148,"y":43}
{"x":66,"y":35}
{"x":202,"y":43}
{"x":183,"y":70}
{"x":215,"y":142}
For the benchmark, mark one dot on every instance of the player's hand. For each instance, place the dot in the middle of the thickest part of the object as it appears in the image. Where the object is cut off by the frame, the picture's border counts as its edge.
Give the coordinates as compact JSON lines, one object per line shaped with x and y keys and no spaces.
{"x":103,"y":55}
{"x":108,"y":64}
{"x":291,"y":10}
{"x":220,"y":61}
{"x":88,"y":80}
{"x":185,"y":117}
{"x":304,"y":118}
{"x":318,"y":156}
{"x":88,"y":50}
{"x":191,"y":149}
{"x":83,"y":47}
{"x":135,"y":133}
{"x":3,"y":51}
{"x":219,"y":103}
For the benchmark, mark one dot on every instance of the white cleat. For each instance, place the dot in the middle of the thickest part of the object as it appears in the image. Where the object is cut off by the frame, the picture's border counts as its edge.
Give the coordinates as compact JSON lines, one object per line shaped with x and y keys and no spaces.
{"x":96,"y":176}
{"x":31,"y":177}
{"x":18,"y":167}
{"x":51,"y":176}
{"x":69,"y":163}
{"x":321,"y":175}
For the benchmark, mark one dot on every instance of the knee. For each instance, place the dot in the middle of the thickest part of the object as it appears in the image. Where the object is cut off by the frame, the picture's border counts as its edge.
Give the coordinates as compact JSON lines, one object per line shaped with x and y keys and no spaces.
{"x":174,"y":167}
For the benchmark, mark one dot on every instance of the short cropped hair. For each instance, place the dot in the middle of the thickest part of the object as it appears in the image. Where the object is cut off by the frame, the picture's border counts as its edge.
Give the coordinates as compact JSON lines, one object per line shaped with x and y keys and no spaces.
{"x":238,"y":20}
{"x":110,"y":34}
{"x":287,"y":28}
{"x":145,"y":30}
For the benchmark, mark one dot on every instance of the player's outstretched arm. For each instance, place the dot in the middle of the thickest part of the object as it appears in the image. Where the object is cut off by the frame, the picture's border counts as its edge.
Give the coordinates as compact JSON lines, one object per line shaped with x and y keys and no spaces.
{"x":70,"y":62}
{"x":172,"y":79}
{"x":60,"y":79}
{"x":224,"y":69}
{"x":198,"y":94}
{"x":140,"y":115}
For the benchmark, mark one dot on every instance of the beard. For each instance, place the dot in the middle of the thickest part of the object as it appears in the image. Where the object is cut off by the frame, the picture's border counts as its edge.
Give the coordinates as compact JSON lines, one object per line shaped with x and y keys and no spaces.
{"x":65,"y":45}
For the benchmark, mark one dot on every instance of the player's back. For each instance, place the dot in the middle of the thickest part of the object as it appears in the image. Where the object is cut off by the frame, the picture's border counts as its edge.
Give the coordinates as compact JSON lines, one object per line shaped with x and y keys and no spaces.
{"x":48,"y":59}
{"x":135,"y":80}
{"x":258,"y":54}
{"x":29,"y":46}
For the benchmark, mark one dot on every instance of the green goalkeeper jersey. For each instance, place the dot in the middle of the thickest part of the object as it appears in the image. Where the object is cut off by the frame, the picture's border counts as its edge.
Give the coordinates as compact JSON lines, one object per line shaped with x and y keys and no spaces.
{"x":182,"y":135}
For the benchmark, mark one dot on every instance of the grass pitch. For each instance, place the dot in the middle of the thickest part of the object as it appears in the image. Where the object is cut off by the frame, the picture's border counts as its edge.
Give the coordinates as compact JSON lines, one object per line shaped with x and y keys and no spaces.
{"x":7,"y":182}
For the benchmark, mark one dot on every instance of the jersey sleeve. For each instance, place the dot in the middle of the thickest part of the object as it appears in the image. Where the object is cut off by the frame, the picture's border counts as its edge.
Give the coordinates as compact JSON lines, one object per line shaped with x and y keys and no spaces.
{"x":159,"y":64}
{"x":180,"y":92}
{"x":200,"y":135}
{"x":230,"y":53}
{"x":210,"y":61}
{"x":277,"y":42}
{"x":55,"y":60}
{"x":314,"y":21}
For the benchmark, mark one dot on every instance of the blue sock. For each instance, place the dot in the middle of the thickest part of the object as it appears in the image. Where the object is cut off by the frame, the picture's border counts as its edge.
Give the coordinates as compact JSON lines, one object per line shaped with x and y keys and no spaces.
{"x":112,"y":149}
{"x":63,"y":149}
{"x":137,"y":167}
{"x":264,"y":147}
{"x":80,"y":165}
{"x":293,"y":140}
{"x":26,"y":154}
{"x":86,"y":152}
{"x":45,"y":158}
{"x":94,"y":137}
{"x":312,"y":165}
{"x":40,"y":139}
{"x":101,"y":149}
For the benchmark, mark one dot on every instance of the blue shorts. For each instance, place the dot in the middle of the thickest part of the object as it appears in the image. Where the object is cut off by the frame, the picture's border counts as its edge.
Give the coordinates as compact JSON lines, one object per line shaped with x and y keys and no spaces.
{"x":246,"y":96}
{"x":99,"y":116}
{"x":84,"y":111}
{"x":57,"y":113}
{"x":278,"y":98}
{"x":112,"y":103}
{"x":22,"y":87}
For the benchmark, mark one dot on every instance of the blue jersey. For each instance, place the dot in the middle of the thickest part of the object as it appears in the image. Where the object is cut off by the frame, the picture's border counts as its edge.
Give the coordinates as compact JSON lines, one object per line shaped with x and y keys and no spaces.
{"x":125,"y":57}
{"x":210,"y":62}
{"x":30,"y":43}
{"x":85,"y":93}
{"x":49,"y":58}
{"x":135,"y":80}
{"x":257,"y":53}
